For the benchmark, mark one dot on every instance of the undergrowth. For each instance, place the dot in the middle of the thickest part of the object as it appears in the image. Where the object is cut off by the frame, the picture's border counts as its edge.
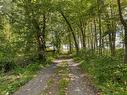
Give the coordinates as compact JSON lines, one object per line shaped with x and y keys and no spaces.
{"x":18,"y":76}
{"x":108,"y":73}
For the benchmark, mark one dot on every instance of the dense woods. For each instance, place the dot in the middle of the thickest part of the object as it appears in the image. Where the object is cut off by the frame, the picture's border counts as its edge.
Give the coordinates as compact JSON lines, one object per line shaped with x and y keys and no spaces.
{"x":94,"y":31}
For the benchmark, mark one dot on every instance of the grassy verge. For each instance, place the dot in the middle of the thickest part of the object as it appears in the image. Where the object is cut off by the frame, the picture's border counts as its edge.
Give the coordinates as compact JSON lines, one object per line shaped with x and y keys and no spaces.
{"x":11,"y":81}
{"x":108,"y":73}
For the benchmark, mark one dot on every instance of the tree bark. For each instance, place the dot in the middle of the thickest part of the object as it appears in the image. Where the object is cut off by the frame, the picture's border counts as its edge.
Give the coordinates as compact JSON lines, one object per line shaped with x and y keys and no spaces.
{"x":125,"y":27}
{"x":95,"y":34}
{"x":113,"y":33}
{"x":72,"y":31}
{"x":57,"y":42}
{"x":41,"y":38}
{"x":83,"y":34}
{"x":70,"y":43}
{"x":100,"y":26}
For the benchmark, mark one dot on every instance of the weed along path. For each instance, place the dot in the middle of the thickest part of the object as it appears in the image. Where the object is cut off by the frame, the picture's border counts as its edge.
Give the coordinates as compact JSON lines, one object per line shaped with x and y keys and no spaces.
{"x":63,"y":78}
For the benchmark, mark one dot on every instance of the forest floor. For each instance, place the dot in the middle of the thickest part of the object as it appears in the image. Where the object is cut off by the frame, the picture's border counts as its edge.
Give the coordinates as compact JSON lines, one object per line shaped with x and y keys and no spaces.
{"x":62,"y":78}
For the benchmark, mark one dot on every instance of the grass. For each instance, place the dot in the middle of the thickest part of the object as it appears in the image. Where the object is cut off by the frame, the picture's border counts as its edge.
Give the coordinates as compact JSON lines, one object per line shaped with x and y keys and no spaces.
{"x":108,"y":73}
{"x":62,"y":73}
{"x":11,"y":81}
{"x":64,"y":81}
{"x":18,"y":76}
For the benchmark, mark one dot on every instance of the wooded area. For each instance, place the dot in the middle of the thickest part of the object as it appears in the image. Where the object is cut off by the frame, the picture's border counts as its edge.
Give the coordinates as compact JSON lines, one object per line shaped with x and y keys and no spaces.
{"x":95,"y":31}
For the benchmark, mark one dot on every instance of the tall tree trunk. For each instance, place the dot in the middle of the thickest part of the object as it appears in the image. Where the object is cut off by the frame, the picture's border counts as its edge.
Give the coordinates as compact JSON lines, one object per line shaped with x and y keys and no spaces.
{"x":82,"y":29}
{"x":113,"y":43}
{"x":89,"y":43}
{"x":57,"y":41}
{"x":70,"y":43}
{"x":110,"y":43}
{"x":40,"y":38}
{"x":72,"y":31}
{"x":125,"y":27}
{"x":113,"y":32}
{"x":100,"y":25}
{"x":95,"y":34}
{"x":112,"y":37}
{"x":91,"y":33}
{"x":43,"y":47}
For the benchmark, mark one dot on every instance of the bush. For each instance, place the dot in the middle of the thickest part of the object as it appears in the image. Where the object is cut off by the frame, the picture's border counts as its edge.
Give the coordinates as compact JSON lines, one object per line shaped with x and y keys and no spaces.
{"x":33,"y":67}
{"x":7,"y":65}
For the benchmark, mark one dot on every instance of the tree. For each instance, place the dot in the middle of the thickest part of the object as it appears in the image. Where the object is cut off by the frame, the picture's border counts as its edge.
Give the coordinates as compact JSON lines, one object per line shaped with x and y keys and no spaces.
{"x":124,"y":22}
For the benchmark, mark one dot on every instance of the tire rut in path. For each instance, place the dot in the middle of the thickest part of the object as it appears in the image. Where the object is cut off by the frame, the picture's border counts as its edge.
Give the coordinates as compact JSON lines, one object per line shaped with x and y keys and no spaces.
{"x":79,"y":83}
{"x":61,"y":73}
{"x":38,"y":84}
{"x":52,"y":87}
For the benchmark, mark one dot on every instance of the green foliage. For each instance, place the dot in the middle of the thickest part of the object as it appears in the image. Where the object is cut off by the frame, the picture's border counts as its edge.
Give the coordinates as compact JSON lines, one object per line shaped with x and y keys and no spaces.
{"x":109,"y":74}
{"x":33,"y":67}
{"x":7,"y":65}
{"x":9,"y":83}
{"x":63,"y":83}
{"x":25,"y":23}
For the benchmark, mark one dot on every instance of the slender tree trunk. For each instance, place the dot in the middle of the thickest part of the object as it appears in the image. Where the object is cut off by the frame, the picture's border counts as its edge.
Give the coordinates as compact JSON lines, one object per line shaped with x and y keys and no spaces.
{"x":95,"y":34}
{"x":92,"y":36}
{"x":88,"y":43}
{"x":100,"y":26}
{"x":113,"y":43}
{"x":123,"y":45}
{"x":72,"y":31}
{"x":57,"y":42}
{"x":70,"y":43}
{"x":113,"y":33}
{"x":82,"y":29}
{"x":70,"y":46}
{"x":125,"y":56}
{"x":110,"y":43}
{"x":112,"y":37}
{"x":100,"y":38}
{"x":125,"y":27}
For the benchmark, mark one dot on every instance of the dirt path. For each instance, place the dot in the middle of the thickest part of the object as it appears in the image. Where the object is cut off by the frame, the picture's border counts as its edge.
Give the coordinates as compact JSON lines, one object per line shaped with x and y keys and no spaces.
{"x":79,"y":84}
{"x":58,"y":83}
{"x":38,"y":84}
{"x":59,"y":80}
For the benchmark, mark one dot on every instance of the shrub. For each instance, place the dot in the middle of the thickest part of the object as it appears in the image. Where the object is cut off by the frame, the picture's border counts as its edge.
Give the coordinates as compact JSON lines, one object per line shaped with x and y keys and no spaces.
{"x":7,"y":65}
